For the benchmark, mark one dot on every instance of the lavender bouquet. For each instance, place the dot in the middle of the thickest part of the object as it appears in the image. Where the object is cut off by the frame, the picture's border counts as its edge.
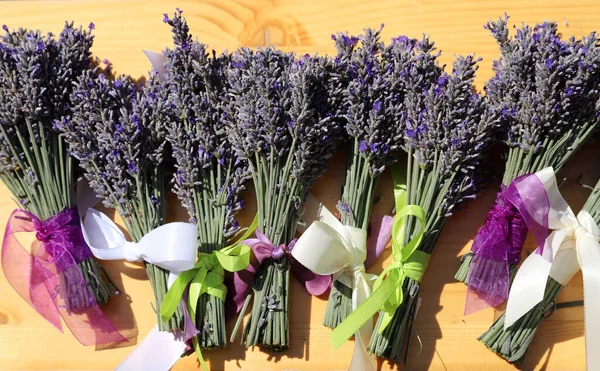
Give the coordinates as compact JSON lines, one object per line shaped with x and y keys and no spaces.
{"x":209,"y":178}
{"x":546,"y":92}
{"x":550,"y":109}
{"x":448,"y":130}
{"x":117,"y":134}
{"x":37,"y":75}
{"x":372,"y":94}
{"x":512,"y":343}
{"x":281,"y":121}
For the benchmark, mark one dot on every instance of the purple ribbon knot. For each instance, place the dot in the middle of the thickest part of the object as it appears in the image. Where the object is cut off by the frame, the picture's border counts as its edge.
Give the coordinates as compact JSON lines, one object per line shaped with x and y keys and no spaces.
{"x":264,"y":249}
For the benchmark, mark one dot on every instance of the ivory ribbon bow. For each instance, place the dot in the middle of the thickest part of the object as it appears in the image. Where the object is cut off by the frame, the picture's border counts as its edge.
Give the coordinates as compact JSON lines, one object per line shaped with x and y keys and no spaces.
{"x":573,"y":245}
{"x":329,"y":247}
{"x":172,"y":246}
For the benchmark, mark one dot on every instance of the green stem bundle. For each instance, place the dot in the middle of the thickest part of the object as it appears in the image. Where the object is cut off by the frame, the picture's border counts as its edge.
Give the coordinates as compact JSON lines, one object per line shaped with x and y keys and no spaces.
{"x":355,"y":209}
{"x":276,"y":193}
{"x":427,"y":188}
{"x":52,"y":192}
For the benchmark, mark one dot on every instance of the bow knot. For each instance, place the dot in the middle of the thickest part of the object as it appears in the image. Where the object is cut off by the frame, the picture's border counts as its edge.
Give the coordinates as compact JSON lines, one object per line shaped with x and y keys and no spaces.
{"x":42,"y":236}
{"x":278,"y":252}
{"x":131,"y":252}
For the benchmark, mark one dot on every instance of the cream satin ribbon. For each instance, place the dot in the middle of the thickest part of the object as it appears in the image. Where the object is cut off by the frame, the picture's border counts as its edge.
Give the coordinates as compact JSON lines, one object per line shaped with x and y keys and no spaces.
{"x":572,"y":246}
{"x":172,"y":246}
{"x":329,"y":247}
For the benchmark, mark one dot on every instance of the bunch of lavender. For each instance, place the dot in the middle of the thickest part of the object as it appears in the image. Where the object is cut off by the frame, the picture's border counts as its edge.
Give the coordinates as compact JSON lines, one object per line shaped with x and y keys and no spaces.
{"x":512,"y":344}
{"x":448,"y":130}
{"x":117,"y":134}
{"x":210,"y":177}
{"x":281,"y":120}
{"x":37,"y":75}
{"x":546,"y":91}
{"x":372,"y":94}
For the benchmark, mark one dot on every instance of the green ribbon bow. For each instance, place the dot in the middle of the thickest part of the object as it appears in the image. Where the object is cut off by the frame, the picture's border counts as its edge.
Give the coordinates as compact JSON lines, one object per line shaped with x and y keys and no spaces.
{"x":407,"y":262}
{"x":207,"y":277}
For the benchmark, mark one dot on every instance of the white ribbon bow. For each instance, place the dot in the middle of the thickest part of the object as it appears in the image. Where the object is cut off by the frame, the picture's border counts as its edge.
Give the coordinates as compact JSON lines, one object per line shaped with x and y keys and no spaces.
{"x":329,"y":247}
{"x":572,"y":246}
{"x":172,"y":246}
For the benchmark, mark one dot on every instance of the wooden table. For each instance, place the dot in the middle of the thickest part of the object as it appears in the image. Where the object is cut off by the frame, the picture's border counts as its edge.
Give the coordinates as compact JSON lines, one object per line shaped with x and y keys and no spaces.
{"x":125,"y":28}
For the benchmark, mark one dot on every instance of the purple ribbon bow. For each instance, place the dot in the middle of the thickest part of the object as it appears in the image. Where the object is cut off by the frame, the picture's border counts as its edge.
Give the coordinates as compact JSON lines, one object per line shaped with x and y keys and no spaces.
{"x":521,"y":207}
{"x":264,"y":249}
{"x":50,"y":281}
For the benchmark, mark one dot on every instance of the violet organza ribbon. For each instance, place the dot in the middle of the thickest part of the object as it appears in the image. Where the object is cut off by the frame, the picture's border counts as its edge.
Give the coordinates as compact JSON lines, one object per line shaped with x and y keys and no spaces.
{"x":264,"y":249}
{"x":41,"y":280}
{"x":521,"y":207}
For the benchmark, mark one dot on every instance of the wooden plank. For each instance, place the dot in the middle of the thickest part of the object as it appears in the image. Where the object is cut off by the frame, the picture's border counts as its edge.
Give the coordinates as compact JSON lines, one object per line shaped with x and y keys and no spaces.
{"x":124,"y":28}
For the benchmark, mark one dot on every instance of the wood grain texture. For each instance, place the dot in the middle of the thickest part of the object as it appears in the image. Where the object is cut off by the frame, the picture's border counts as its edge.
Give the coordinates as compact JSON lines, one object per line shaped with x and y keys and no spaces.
{"x":124,"y":28}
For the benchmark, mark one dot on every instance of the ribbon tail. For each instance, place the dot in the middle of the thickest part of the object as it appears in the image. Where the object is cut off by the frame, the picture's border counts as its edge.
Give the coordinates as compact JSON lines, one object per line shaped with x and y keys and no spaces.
{"x":528,"y":288}
{"x":361,"y":359}
{"x":363,"y":313}
{"x":160,"y":350}
{"x":589,"y":260}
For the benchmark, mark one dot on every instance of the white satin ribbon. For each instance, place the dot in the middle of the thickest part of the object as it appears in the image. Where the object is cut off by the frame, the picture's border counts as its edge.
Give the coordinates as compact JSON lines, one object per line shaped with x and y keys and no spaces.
{"x":172,"y":246}
{"x":159,"y":351}
{"x":329,"y":247}
{"x":572,"y":246}
{"x":159,"y":62}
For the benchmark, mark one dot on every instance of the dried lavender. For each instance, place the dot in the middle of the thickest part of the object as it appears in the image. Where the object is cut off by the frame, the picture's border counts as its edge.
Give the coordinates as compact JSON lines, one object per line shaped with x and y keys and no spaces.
{"x":117,"y":134}
{"x":281,"y":120}
{"x":512,"y":344}
{"x":372,"y":90}
{"x":546,"y":91}
{"x":37,"y":73}
{"x":448,"y":130}
{"x":209,"y":178}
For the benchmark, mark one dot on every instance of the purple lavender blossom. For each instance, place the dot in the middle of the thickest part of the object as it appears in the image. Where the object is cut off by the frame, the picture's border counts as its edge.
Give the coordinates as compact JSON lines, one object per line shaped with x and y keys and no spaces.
{"x":206,"y":164}
{"x":545,"y":87}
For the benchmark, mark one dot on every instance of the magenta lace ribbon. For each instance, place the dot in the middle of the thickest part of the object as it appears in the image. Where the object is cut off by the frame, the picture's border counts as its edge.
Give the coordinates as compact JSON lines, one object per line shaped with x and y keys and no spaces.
{"x":50,"y":280}
{"x":521,"y":207}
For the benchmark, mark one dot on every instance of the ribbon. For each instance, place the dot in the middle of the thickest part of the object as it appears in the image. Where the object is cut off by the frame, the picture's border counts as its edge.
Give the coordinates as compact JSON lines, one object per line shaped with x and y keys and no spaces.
{"x":407,"y":262}
{"x":50,"y":281}
{"x":329,"y":247}
{"x":523,"y":206}
{"x":159,"y":63}
{"x":171,"y":246}
{"x":264,"y":249}
{"x":572,"y":246}
{"x":208,"y":277}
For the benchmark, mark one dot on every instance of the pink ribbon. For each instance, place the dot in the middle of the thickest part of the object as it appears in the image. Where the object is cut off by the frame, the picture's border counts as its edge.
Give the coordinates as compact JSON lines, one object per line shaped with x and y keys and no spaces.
{"x":50,"y":281}
{"x":521,"y":207}
{"x":380,"y":236}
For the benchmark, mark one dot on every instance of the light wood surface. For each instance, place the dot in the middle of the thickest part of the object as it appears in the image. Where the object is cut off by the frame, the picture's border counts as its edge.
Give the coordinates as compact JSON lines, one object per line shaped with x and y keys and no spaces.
{"x":124,"y":28}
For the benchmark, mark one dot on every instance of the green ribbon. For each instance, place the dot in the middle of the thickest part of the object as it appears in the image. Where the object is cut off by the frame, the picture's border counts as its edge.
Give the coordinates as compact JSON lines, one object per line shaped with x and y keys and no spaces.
{"x":407,"y":262}
{"x":207,"y":277}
